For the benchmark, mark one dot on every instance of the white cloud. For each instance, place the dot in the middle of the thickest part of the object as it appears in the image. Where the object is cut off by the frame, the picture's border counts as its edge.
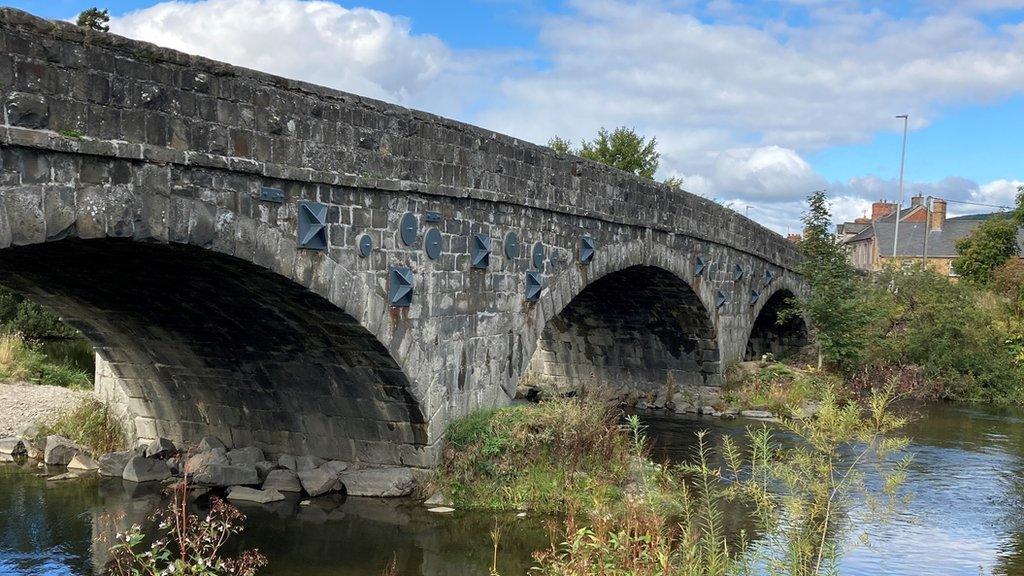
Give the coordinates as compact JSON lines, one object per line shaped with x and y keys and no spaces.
{"x":360,"y":50}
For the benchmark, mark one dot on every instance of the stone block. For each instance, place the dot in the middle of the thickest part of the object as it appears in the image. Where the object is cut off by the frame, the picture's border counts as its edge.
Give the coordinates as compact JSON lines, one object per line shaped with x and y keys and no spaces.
{"x":379,"y":482}
{"x":83,"y":461}
{"x":113,"y":464}
{"x":142,"y":469}
{"x":59,"y":450}
{"x":283,"y":480}
{"x":246,"y":494}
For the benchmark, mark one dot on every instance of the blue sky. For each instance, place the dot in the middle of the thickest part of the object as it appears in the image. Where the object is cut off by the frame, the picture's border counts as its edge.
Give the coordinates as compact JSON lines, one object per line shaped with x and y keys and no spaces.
{"x":754,"y":103}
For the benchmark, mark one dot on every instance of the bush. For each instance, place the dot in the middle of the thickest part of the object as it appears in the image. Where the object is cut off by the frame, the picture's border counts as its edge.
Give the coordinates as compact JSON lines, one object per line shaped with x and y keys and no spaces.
{"x":23,"y":316}
{"x":89,"y":424}
{"x":555,"y":456}
{"x":21,"y":361}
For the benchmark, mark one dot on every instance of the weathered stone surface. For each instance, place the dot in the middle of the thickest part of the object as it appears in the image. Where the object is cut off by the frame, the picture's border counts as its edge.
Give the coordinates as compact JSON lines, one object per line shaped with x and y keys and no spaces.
{"x":82,"y":461}
{"x":282,"y":480}
{"x":437,"y":499}
{"x":142,"y":469}
{"x":307,"y":462}
{"x":756,"y":414}
{"x":226,"y":475}
{"x":28,"y":110}
{"x":335,"y":467}
{"x":160,"y":448}
{"x":379,"y":482}
{"x":246,"y":494}
{"x":59,"y":450}
{"x":208,"y":443}
{"x":263,"y":468}
{"x":318,"y":481}
{"x":249,"y":455}
{"x":287,"y":461}
{"x":201,"y":460}
{"x":113,"y":464}
{"x":12,"y":446}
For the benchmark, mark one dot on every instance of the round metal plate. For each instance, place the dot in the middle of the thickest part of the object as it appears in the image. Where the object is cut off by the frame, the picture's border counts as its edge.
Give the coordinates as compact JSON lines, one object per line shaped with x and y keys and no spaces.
{"x":538,"y":255}
{"x":365,"y":245}
{"x":410,"y":228}
{"x":511,"y":245}
{"x":432,"y":243}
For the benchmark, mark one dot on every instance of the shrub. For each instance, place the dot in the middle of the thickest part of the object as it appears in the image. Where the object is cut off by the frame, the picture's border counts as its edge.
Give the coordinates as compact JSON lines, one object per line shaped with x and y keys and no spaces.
{"x":21,"y":361}
{"x":89,"y":424}
{"x":23,"y":316}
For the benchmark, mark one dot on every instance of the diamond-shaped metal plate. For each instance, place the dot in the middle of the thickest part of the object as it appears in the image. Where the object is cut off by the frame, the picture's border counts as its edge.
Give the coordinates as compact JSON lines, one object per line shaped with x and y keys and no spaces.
{"x":409,"y":228}
{"x":365,"y":245}
{"x":587,"y":250}
{"x":534,"y":286}
{"x":312,"y":225}
{"x":720,"y":299}
{"x":480,"y":256}
{"x":754,"y":297}
{"x":511,"y":245}
{"x":768,"y":278}
{"x":400,"y":287}
{"x":738,"y":272}
{"x":268,"y":194}
{"x":432,"y":243}
{"x":538,"y":255}
{"x":698,"y":266}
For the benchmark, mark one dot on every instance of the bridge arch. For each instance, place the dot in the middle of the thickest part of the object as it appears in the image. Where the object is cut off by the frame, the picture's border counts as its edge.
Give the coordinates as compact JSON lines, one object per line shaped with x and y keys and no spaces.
{"x":629,"y":325}
{"x":770,"y":332}
{"x":206,"y":321}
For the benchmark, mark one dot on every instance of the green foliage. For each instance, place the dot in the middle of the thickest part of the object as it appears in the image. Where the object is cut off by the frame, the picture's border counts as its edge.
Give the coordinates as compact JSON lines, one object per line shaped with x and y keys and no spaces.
{"x":94,"y":19}
{"x":554,"y":456}
{"x":21,"y":315}
{"x":190,"y":545}
{"x":833,"y":309}
{"x":674,"y":183}
{"x":988,"y":246}
{"x":21,"y":361}
{"x":777,"y":387}
{"x":89,"y":424}
{"x":624,"y":149}
{"x":561,"y":145}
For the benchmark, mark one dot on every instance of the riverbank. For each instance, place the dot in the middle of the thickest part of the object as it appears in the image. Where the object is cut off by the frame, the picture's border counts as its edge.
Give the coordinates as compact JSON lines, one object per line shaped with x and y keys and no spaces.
{"x":25,"y":404}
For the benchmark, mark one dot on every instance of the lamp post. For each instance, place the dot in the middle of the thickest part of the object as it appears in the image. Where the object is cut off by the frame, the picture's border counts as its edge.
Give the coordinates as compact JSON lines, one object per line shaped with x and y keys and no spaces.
{"x":903,"y":158}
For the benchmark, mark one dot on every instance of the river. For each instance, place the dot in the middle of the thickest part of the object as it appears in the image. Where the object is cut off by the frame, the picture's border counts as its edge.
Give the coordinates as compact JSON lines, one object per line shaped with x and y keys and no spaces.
{"x":966,"y":516}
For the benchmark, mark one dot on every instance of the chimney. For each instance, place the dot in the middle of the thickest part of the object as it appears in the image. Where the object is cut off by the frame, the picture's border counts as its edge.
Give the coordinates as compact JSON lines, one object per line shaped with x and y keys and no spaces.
{"x":917,"y":200}
{"x":794,"y":238}
{"x":861,"y":220}
{"x":937,"y":216}
{"x":882,"y":209}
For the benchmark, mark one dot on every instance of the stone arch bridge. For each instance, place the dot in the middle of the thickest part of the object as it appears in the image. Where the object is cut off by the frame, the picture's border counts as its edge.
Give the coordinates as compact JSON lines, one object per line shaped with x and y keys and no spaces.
{"x":310,"y":271}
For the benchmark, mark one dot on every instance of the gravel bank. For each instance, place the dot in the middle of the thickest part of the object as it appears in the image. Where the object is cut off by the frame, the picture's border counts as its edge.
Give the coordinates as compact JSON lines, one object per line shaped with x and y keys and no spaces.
{"x":23,"y":404}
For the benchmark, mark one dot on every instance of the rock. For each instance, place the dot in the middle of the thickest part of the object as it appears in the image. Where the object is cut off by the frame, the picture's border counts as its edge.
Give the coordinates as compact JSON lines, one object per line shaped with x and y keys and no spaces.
{"x":263,"y":468}
{"x":305,"y":503}
{"x":247,"y":494}
{"x":684,"y":407}
{"x":142,"y":469}
{"x":757,"y":414}
{"x":64,"y":476}
{"x":287,"y":461}
{"x":706,"y":410}
{"x":59,"y":450}
{"x":160,"y":448}
{"x":31,"y":430}
{"x":208,"y":443}
{"x":442,"y":510}
{"x":249,"y":455}
{"x":437,"y":499}
{"x":379,"y":482}
{"x":282,"y":480}
{"x":203,"y":459}
{"x":318,"y":481}
{"x":307,"y":463}
{"x":82,"y":461}
{"x":335,"y":467}
{"x":226,"y":475}
{"x":521,"y":515}
{"x":27,"y":110}
{"x":113,"y":464}
{"x":12,"y":446}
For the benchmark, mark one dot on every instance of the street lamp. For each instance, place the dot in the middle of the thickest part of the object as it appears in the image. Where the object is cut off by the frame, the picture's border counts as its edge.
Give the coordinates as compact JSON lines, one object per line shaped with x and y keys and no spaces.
{"x":903,"y":158}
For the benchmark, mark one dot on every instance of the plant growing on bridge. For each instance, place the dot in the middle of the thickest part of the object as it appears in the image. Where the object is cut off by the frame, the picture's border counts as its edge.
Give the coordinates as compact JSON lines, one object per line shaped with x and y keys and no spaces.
{"x":94,"y":19}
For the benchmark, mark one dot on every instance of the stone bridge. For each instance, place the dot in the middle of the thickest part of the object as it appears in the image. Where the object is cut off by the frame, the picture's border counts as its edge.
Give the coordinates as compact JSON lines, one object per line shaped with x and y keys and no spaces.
{"x":310,"y":271}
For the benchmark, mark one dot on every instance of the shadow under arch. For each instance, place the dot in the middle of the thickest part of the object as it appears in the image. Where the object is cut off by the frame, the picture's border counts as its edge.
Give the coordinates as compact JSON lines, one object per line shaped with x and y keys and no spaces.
{"x":192,"y":342}
{"x":639,"y":331}
{"x":769,"y":335}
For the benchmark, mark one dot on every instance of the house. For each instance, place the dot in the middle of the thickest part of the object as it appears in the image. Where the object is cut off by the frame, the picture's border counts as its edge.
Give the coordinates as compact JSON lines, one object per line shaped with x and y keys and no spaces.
{"x":925,"y":234}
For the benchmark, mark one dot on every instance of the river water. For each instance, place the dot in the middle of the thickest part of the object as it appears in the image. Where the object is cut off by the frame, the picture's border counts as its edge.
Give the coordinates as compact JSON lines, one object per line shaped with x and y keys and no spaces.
{"x":966,"y":516}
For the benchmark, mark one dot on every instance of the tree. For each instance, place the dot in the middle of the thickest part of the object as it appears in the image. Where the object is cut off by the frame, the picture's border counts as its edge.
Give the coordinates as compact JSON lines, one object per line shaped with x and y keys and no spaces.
{"x":833,"y":307}
{"x":561,"y":145}
{"x":674,"y":183}
{"x":94,"y":19}
{"x":624,"y":149}
{"x":988,"y":246}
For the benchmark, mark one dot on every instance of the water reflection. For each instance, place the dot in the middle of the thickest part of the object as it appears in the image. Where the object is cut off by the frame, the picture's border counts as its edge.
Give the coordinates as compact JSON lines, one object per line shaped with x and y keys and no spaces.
{"x":966,"y":516}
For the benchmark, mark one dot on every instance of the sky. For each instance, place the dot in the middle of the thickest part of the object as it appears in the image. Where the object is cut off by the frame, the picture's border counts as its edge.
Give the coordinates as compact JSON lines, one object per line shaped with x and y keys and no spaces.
{"x":754,"y":103}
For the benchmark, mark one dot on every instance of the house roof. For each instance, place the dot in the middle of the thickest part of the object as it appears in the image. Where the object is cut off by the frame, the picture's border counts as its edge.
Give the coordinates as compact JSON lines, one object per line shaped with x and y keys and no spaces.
{"x":941,"y":243}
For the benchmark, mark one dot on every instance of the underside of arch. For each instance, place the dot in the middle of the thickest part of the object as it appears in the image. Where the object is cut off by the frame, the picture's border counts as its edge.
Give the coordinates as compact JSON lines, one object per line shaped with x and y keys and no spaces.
{"x":775,"y":332}
{"x":638,"y":332}
{"x":191,"y":343}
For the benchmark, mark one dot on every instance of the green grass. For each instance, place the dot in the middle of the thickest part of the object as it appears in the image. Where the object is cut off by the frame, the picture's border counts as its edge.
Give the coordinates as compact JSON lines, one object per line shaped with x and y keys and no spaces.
{"x":777,"y":387}
{"x":555,"y":456}
{"x":22,"y":361}
{"x":89,"y":424}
